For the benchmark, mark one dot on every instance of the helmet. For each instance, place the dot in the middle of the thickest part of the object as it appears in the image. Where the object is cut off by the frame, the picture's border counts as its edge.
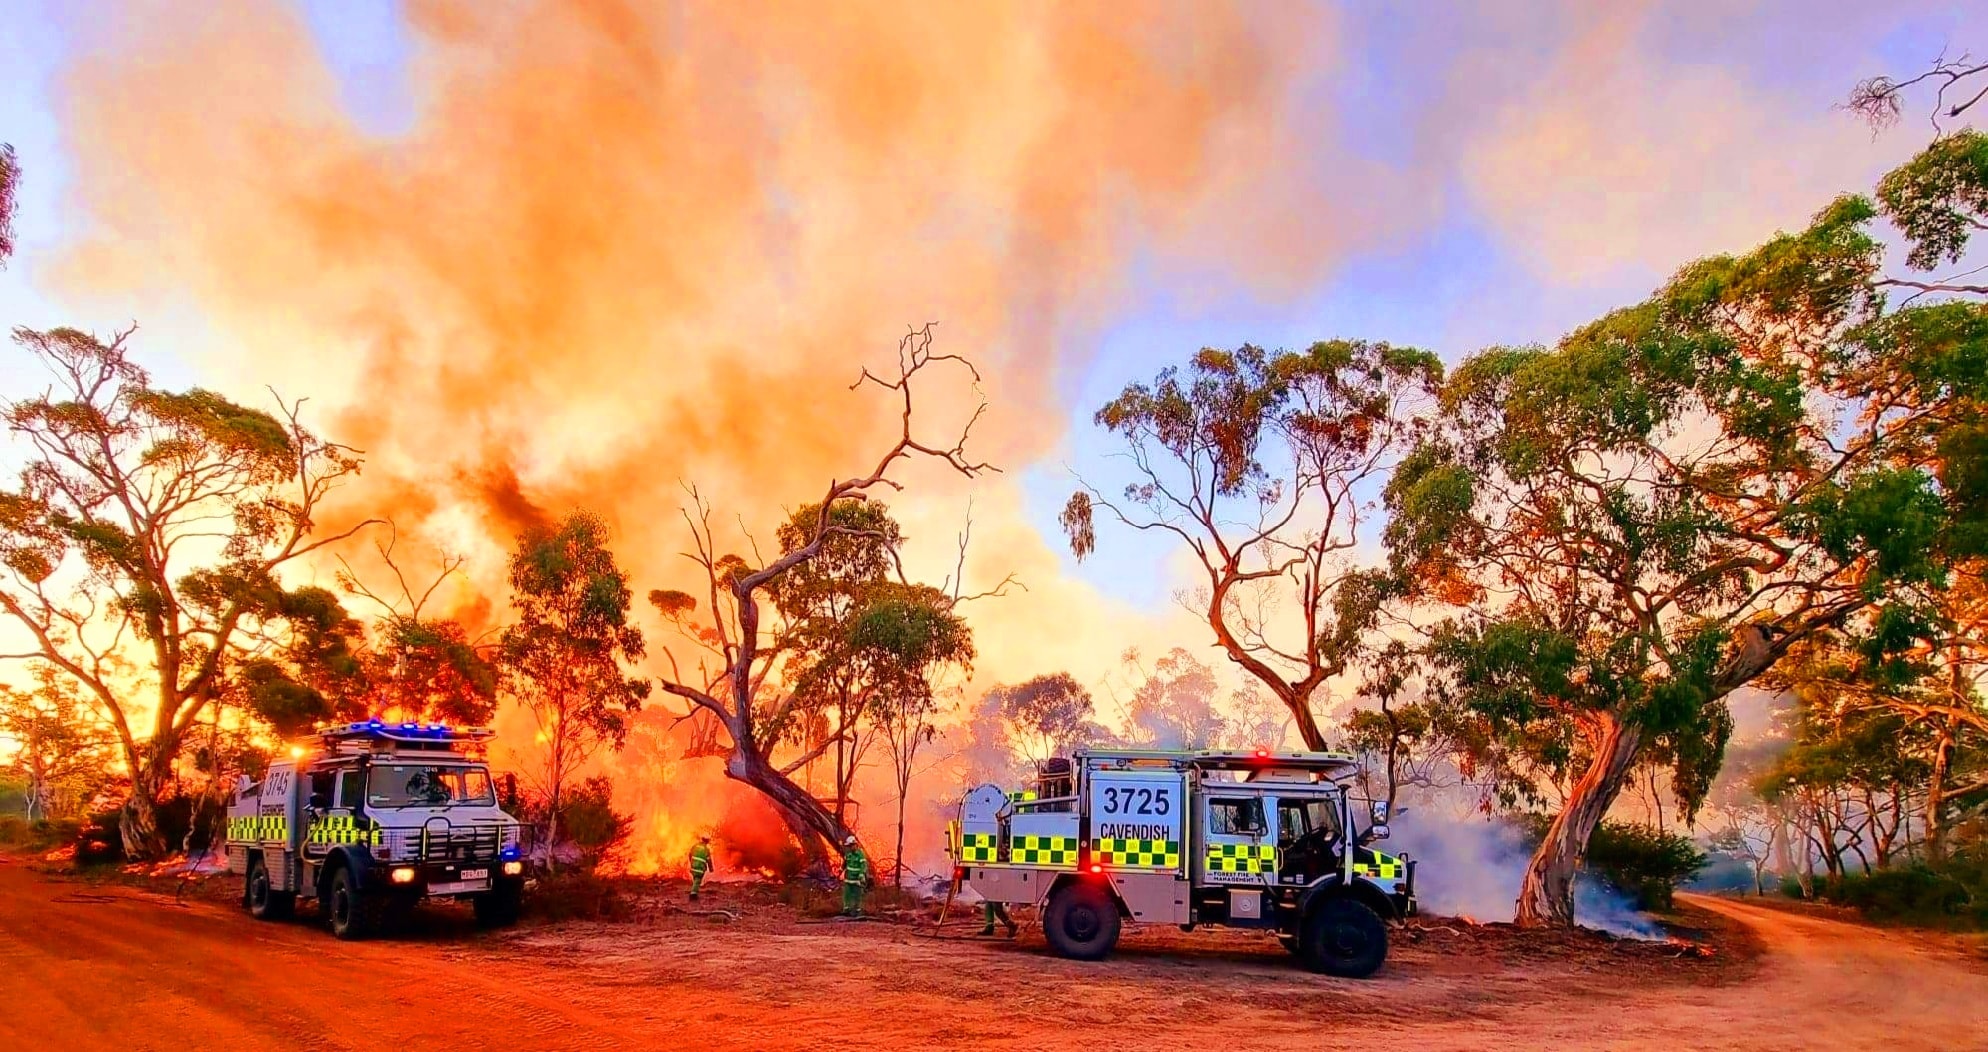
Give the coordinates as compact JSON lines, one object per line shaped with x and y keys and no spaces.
{"x":850,"y":840}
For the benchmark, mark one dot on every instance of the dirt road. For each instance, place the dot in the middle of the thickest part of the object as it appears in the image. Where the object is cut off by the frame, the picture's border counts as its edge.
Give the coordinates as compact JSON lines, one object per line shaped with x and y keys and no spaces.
{"x":88,"y":967}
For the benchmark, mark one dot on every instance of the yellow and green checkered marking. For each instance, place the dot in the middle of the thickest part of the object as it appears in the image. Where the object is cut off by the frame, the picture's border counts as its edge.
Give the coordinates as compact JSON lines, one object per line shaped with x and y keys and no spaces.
{"x":1153,"y":854}
{"x":1242,"y":858}
{"x":1383,"y":867}
{"x":1043,"y":850}
{"x":977,"y":847}
{"x":1021,"y":796}
{"x":343,"y":829}
{"x":258,"y":828}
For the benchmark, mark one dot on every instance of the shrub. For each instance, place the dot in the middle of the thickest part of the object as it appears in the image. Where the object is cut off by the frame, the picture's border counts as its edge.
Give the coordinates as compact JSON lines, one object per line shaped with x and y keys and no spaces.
{"x":590,"y":829}
{"x":1634,"y":859}
{"x":1643,"y":862}
{"x":1915,"y":894}
{"x":16,"y":831}
{"x":588,"y":819}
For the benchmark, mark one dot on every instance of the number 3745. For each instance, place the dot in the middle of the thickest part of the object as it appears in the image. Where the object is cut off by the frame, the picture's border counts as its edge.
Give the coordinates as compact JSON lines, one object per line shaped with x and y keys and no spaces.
{"x":1137,"y":801}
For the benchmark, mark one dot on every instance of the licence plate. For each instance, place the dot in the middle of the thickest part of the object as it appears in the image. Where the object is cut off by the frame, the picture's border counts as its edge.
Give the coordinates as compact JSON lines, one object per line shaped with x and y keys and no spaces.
{"x":476,"y":874}
{"x":454,"y":886}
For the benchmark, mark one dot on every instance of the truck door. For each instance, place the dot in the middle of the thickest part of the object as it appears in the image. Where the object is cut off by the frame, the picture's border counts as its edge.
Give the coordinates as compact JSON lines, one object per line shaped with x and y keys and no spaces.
{"x":1307,"y":838}
{"x":1237,"y":843}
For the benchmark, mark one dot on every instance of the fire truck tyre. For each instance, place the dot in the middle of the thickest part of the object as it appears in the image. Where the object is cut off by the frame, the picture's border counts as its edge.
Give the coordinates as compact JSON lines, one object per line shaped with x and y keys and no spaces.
{"x":264,"y":901}
{"x":1345,"y":938}
{"x":499,"y":907}
{"x":349,"y":910}
{"x":1290,"y":942}
{"x":1081,"y":922}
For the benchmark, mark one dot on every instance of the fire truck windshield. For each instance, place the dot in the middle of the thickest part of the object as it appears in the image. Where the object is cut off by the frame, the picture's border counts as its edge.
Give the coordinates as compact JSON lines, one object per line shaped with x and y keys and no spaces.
{"x":428,"y":785}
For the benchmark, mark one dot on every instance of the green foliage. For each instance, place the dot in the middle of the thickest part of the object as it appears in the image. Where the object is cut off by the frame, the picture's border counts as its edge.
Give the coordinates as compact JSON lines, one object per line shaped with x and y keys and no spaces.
{"x":590,"y":822}
{"x":564,"y":655}
{"x":1257,"y":462}
{"x":18,"y":832}
{"x":826,"y":599}
{"x":1650,"y":513}
{"x":901,"y":636}
{"x":1952,"y":894}
{"x":60,"y":749}
{"x":1641,"y":861}
{"x":429,"y":670}
{"x":1636,"y":859}
{"x":1939,"y":199}
{"x":166,"y":516}
{"x":1855,"y":748}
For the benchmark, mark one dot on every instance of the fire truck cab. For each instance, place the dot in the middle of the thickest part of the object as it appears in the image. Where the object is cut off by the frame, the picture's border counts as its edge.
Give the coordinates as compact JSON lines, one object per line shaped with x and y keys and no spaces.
{"x":369,"y":819}
{"x":1241,"y":839}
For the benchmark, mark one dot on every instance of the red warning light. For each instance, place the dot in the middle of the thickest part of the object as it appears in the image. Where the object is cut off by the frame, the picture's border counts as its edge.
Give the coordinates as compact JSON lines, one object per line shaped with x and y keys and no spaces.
{"x":1262,"y":754}
{"x":1095,"y":868}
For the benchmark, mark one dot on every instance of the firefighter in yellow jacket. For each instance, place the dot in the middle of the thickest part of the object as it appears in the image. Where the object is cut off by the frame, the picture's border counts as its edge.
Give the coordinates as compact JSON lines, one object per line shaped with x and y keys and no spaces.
{"x":855,"y":874}
{"x":700,"y":864}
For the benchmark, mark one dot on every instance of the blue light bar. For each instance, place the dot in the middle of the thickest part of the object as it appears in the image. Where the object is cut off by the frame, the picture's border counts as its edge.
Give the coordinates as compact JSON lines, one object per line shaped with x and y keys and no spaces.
{"x":408,"y":731}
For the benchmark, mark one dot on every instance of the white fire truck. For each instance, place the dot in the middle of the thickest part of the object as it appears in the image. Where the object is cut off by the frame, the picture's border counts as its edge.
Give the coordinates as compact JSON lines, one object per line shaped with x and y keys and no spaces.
{"x":369,"y":819}
{"x":1242,"y":839}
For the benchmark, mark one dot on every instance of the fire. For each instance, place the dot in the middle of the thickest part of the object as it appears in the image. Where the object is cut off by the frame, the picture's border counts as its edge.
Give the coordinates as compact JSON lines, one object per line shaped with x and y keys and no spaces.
{"x":620,"y":247}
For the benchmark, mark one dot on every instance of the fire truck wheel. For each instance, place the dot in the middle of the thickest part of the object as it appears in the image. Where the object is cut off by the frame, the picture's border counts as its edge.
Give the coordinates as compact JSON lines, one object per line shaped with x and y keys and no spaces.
{"x":1290,"y":942}
{"x":1081,"y":922}
{"x":265,"y":902}
{"x":1345,"y":938}
{"x":350,"y":915}
{"x":499,"y":907}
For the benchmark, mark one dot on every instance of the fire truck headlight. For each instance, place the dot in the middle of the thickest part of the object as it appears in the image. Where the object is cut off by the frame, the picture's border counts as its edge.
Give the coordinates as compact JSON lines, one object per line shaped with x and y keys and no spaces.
{"x":512,"y":869}
{"x":403,"y":875}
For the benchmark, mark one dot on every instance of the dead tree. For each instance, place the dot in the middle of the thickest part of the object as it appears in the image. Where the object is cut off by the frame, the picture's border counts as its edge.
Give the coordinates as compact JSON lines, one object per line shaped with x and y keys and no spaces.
{"x":738,"y":679}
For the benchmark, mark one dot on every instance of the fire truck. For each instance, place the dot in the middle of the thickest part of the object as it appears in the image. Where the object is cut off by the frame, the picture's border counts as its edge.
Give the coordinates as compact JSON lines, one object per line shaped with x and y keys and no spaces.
{"x":1240,"y":839}
{"x":368,"y":819}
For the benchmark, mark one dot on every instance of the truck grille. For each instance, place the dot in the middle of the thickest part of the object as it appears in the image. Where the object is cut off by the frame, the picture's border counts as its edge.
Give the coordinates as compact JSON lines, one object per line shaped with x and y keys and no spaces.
{"x":466,"y":843}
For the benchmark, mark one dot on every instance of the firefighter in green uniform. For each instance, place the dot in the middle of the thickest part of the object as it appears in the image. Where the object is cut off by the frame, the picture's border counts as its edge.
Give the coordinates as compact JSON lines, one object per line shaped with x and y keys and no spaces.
{"x":700,"y":864}
{"x":855,"y":874}
{"x":991,"y":911}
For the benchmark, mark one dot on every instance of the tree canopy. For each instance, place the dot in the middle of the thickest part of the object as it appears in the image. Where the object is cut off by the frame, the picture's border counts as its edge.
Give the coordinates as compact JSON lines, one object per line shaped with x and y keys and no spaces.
{"x":1646,"y":516}
{"x":1261,"y":465}
{"x":146,"y":536}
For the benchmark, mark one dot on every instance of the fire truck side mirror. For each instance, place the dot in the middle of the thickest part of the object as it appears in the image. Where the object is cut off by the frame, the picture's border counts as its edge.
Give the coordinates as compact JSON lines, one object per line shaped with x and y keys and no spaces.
{"x":319,"y":802}
{"x":1380,"y":812}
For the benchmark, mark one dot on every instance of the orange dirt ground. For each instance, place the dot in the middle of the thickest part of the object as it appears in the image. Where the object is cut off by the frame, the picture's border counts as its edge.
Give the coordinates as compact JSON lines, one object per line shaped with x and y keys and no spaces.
{"x":111,"y":966}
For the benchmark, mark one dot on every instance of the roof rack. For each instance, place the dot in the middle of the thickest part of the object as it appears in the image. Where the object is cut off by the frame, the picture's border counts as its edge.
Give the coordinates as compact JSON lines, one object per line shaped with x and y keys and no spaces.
{"x":1249,"y":762}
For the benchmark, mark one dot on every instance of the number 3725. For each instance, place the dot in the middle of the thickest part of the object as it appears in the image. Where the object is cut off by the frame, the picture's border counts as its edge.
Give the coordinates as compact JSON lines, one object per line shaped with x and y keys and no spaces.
{"x":1137,"y":801}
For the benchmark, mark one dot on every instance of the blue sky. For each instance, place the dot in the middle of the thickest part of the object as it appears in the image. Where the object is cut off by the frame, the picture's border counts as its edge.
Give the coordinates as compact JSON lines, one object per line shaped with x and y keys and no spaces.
{"x":1431,"y":94}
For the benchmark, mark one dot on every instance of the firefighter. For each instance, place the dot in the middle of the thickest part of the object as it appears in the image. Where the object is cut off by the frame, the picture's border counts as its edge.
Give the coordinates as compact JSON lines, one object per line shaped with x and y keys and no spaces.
{"x":855,"y":874}
{"x":700,"y":864}
{"x":992,"y":911}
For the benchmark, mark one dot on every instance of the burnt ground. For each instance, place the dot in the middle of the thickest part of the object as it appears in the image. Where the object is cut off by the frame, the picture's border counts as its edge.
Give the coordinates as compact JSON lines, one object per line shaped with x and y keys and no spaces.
{"x":124,"y":964}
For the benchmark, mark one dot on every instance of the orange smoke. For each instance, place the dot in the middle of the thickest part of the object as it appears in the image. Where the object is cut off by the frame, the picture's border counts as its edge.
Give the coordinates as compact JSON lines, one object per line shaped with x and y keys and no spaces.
{"x":629,"y":244}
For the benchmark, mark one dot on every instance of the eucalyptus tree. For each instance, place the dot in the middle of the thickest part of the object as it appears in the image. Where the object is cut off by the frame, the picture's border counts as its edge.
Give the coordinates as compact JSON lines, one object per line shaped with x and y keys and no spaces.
{"x":1635,"y":522}
{"x":1264,"y":466}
